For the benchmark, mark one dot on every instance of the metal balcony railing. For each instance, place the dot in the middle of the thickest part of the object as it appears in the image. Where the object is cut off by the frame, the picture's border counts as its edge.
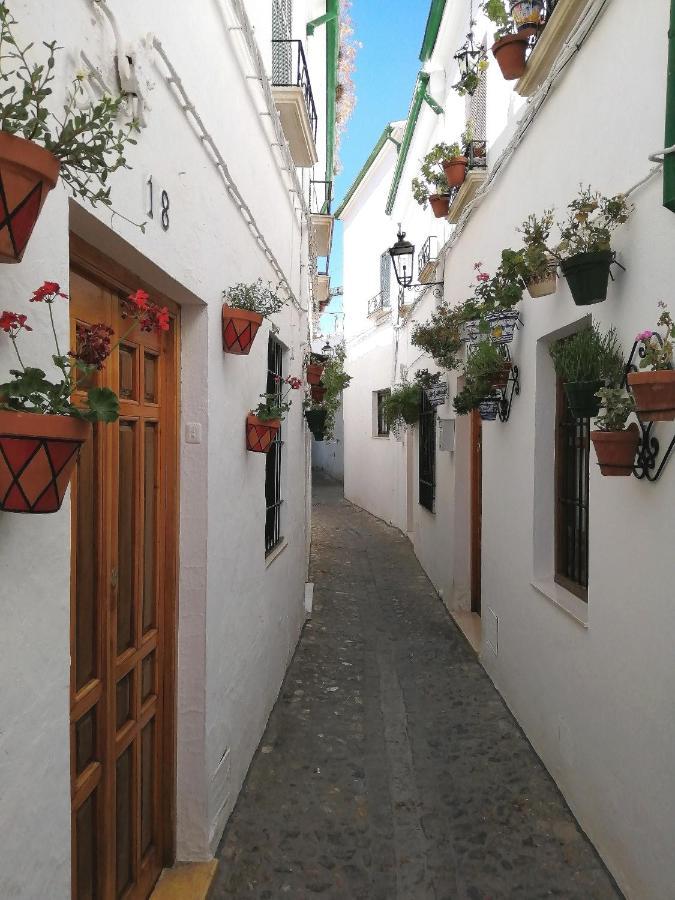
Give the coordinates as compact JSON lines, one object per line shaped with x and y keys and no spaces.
{"x":289,"y":69}
{"x":477,"y":154}
{"x":428,"y":253}
{"x":377,"y":304}
{"x":320,"y":197}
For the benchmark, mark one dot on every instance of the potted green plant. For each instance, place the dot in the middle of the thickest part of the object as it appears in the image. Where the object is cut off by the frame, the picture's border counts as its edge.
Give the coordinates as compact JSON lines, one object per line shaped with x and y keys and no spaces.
{"x":320,"y":413}
{"x":615,"y":445}
{"x":432,"y":186}
{"x":402,"y":406}
{"x":497,"y":297}
{"x":509,"y":48}
{"x":83,"y":146}
{"x":469,"y":79}
{"x":585,"y":247}
{"x":440,"y":337}
{"x":245,"y":307}
{"x":263,"y":422}
{"x":584,"y":362}
{"x":44,"y":423}
{"x":454,"y":163}
{"x":654,"y":391}
{"x":540,"y":267}
{"x":488,"y":365}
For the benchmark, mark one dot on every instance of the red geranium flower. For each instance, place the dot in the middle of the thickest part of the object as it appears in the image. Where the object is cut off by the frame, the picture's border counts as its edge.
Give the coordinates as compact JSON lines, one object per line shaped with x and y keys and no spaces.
{"x":93,"y":344}
{"x":483,"y":276}
{"x":48,"y":292}
{"x":12,"y":323}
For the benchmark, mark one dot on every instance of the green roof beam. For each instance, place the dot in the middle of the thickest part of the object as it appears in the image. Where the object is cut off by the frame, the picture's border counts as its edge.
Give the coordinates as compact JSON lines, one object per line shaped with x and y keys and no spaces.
{"x":322,"y":20}
{"x":382,"y":140}
{"x":434,"y":20}
{"x":437,"y":108}
{"x":418,"y":98}
{"x":332,"y":51}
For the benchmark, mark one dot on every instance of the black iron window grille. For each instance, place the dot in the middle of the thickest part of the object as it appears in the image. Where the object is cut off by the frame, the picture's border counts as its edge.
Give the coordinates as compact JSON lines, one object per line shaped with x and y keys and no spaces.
{"x":377,"y":304}
{"x":385,"y":276}
{"x":427,"y":453}
{"x":273,"y":461}
{"x":289,"y":69}
{"x":571,"y":498}
{"x":320,"y":197}
{"x":382,"y":425}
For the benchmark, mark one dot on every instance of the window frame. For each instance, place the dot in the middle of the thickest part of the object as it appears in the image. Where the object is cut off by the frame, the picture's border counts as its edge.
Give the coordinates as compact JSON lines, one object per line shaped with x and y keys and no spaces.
{"x":381,"y":427}
{"x":274,"y":457}
{"x":426,"y":455}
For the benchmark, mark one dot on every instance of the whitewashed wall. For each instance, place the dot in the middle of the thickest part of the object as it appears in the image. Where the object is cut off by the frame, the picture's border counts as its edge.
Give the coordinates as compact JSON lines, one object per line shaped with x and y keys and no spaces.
{"x":239,"y":620}
{"x":592,"y":687}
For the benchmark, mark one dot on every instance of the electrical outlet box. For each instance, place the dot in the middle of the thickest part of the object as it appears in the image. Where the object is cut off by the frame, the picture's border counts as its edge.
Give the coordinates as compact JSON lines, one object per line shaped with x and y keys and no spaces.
{"x":446,"y":435}
{"x":193,"y":433}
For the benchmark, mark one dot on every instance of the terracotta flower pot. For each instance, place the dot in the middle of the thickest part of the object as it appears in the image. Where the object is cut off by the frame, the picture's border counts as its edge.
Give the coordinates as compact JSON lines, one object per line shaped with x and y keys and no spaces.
{"x":616,"y":450}
{"x":440,"y":204}
{"x":28,"y":173}
{"x":318,"y":393}
{"x":314,"y":373}
{"x":260,"y":434}
{"x":587,"y":275}
{"x":510,"y":52}
{"x":654,"y":394}
{"x":546,"y":284}
{"x":455,"y":170}
{"x":240,"y":327}
{"x":37,"y":457}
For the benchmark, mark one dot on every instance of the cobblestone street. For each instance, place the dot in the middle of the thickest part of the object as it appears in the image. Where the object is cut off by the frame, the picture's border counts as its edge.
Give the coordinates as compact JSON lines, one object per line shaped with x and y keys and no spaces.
{"x":390,"y":767}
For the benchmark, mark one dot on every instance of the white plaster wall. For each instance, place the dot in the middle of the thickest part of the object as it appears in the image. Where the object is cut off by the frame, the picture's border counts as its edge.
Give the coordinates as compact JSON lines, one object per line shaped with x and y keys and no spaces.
{"x":329,"y":456}
{"x":594,"y":699}
{"x":238,"y":620}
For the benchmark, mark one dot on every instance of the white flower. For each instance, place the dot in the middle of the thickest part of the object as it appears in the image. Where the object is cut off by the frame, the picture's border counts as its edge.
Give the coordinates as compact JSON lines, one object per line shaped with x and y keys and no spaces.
{"x":81,"y":75}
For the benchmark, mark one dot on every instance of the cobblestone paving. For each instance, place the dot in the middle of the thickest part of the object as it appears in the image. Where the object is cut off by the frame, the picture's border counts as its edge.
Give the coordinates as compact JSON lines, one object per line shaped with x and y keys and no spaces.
{"x":390,"y":768}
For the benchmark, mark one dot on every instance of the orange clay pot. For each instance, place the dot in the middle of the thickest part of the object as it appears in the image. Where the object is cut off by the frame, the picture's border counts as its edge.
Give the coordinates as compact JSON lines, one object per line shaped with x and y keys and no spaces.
{"x":240,"y":327}
{"x":260,"y":434}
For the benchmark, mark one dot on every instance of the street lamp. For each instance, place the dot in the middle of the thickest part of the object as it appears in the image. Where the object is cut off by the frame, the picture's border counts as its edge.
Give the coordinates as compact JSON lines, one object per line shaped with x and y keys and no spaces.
{"x":402,"y":254}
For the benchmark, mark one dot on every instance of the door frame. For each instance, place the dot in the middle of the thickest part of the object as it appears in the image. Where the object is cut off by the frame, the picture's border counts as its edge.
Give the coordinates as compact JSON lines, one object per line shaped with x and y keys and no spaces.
{"x":476,"y":513}
{"x":93,"y":264}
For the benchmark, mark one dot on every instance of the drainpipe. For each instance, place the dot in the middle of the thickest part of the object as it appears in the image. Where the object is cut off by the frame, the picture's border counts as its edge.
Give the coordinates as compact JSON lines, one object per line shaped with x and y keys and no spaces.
{"x":669,"y":159}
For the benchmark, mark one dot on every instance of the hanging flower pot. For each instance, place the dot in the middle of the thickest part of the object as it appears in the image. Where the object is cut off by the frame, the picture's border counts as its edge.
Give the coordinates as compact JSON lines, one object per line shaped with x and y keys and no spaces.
{"x":581,"y":398}
{"x":455,"y":170}
{"x":318,"y":392}
{"x":28,"y":173}
{"x":502,"y":326}
{"x":440,"y":204}
{"x":240,"y":327}
{"x":527,"y":13}
{"x":654,"y":394}
{"x":546,"y":284}
{"x":489,"y":409}
{"x":37,"y":458}
{"x":316,"y":420}
{"x":260,"y":433}
{"x":616,"y":450}
{"x":510,"y":53}
{"x":588,"y":276}
{"x":314,"y":373}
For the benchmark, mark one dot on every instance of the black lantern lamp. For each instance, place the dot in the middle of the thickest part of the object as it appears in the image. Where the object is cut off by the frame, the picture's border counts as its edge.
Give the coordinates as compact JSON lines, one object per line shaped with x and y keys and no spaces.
{"x":467,"y":56}
{"x":402,"y":255}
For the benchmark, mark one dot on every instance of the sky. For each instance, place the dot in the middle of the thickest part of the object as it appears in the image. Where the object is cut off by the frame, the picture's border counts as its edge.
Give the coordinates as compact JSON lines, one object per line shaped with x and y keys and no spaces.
{"x":390,"y":33}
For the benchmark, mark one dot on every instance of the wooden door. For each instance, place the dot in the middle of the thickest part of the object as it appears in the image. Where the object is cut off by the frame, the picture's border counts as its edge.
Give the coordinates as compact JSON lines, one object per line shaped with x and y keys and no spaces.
{"x":476,"y":508}
{"x":123,"y":613}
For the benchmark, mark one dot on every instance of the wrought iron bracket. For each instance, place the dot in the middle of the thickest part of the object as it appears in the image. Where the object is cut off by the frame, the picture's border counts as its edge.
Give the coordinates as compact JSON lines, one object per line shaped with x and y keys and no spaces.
{"x":512,"y":388}
{"x":647,"y":465}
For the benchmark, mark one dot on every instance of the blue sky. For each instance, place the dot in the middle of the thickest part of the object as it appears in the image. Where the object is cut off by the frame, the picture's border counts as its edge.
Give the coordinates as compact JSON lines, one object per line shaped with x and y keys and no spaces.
{"x":387,"y":63}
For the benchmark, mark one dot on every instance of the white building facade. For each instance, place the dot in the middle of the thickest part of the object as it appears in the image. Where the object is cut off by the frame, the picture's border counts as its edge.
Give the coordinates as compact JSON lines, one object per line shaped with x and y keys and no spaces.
{"x":129,"y":723}
{"x":589,"y":680}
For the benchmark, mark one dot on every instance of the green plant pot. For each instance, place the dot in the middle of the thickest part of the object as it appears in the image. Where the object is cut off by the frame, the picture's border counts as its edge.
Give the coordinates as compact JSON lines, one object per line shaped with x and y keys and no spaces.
{"x":582,"y":400}
{"x":316,"y":420}
{"x":588,"y":276}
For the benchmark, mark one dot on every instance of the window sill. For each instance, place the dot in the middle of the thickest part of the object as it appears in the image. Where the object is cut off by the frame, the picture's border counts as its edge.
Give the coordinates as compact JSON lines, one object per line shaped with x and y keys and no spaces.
{"x":275,"y":552}
{"x":564,"y":600}
{"x":564,"y":18}
{"x":473,"y":181}
{"x":380,"y":437}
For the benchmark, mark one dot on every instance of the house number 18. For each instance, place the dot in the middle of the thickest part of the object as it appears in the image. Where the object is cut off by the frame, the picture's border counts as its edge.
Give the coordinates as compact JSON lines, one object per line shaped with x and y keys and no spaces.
{"x":166,"y":205}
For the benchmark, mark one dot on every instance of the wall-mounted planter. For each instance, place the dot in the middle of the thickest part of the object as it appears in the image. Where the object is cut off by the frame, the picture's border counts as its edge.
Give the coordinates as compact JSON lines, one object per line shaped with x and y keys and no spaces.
{"x":316,"y":420}
{"x":455,"y":170}
{"x":240,"y":327}
{"x":314,"y":373}
{"x":510,"y":53}
{"x":440,"y":204}
{"x":28,"y":173}
{"x":502,"y":326}
{"x":260,"y":433}
{"x":582,"y":400}
{"x":527,"y":13}
{"x":37,"y":458}
{"x":318,"y":393}
{"x":654,"y":394}
{"x":616,"y":450}
{"x":488,"y":409}
{"x":587,"y":275}
{"x":545,"y":285}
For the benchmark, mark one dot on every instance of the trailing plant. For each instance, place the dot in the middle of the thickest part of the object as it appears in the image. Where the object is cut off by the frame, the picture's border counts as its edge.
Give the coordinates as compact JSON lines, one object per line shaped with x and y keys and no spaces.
{"x":659,"y":348}
{"x":276,"y":405}
{"x":31,"y":391}
{"x":591,"y":221}
{"x":440,"y":336}
{"x":469,"y":80}
{"x":497,"y":13}
{"x":335,"y":380}
{"x":426,"y":380}
{"x":402,"y":406}
{"x":470,"y":397}
{"x":485,"y":363}
{"x":589,"y":355}
{"x":432,"y":178}
{"x":255,"y":297}
{"x":536,"y":234}
{"x":617,"y":406}
{"x":88,"y":143}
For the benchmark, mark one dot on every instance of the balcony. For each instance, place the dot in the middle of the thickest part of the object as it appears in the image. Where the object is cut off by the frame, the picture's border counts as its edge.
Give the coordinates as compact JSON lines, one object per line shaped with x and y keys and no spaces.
{"x":561,"y":17}
{"x":292,"y":91}
{"x":322,"y":289}
{"x":320,"y":198}
{"x":475,"y":176}
{"x":379,"y":306}
{"x":427,"y":259}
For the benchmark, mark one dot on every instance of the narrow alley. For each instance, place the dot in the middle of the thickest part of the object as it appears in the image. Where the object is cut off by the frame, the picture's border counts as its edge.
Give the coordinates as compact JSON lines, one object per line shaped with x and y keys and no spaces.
{"x":390,"y":767}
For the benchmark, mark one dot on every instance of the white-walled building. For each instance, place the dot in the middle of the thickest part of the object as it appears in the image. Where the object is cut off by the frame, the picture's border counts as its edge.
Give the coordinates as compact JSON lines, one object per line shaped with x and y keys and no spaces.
{"x":590,"y":679}
{"x":152,"y":728}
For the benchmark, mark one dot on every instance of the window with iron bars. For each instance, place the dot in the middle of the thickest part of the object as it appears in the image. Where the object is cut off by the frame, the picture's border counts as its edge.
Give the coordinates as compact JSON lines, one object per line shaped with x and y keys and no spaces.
{"x":382,"y":425}
{"x":385,"y":277}
{"x":282,"y":32}
{"x":273,"y":461}
{"x":427,"y":454}
{"x":571,"y":498}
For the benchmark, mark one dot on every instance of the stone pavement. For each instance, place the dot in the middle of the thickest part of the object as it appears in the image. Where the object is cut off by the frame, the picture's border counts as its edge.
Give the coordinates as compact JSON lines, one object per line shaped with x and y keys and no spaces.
{"x":390,"y":768}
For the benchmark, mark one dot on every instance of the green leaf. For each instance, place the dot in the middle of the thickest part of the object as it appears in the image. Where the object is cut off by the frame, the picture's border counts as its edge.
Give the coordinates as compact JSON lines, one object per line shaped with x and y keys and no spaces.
{"x":103,"y":405}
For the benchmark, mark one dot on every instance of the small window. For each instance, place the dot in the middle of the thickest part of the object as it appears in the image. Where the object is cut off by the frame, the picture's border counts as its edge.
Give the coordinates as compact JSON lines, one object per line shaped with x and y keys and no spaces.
{"x":385,"y":277}
{"x":427,"y":454}
{"x":382,"y":426}
{"x":273,"y":499}
{"x":571,"y":498}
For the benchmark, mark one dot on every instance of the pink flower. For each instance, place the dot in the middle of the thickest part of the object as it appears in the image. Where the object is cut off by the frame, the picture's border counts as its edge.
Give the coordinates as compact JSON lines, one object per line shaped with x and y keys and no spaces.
{"x":644,"y":336}
{"x":483,"y":277}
